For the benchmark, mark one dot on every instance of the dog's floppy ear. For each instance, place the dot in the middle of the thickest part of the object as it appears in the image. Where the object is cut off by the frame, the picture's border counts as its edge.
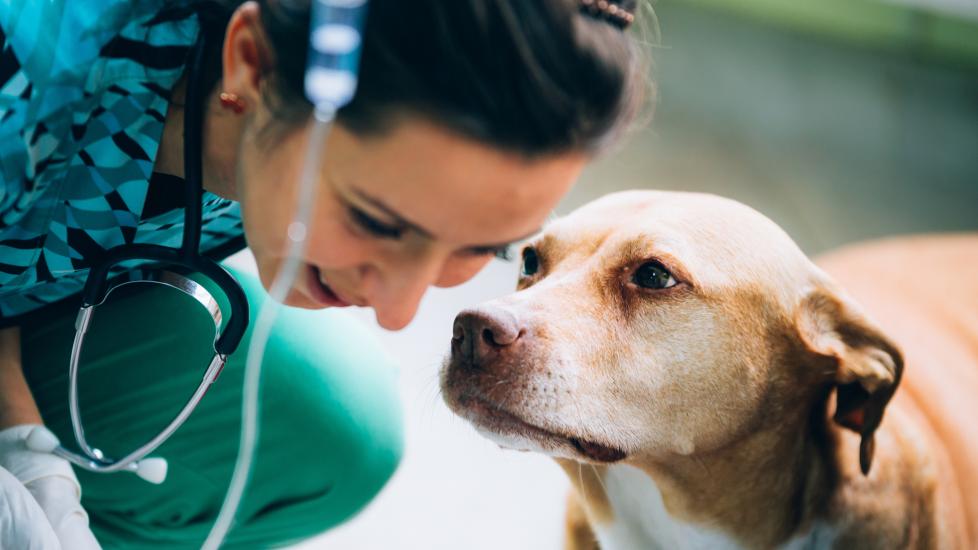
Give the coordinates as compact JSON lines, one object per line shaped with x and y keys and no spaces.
{"x":869,"y":366}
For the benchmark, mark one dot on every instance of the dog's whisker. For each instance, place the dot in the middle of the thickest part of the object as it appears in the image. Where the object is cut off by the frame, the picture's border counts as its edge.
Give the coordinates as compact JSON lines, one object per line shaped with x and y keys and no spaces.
{"x":598,"y":477}
{"x":431,"y":394}
{"x":580,"y":423}
{"x":580,"y":477}
{"x":431,"y":403}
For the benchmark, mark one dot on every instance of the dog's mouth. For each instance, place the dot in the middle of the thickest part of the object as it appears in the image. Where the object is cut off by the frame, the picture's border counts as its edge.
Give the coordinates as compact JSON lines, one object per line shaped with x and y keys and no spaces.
{"x":596,"y":451}
{"x":490,"y":416}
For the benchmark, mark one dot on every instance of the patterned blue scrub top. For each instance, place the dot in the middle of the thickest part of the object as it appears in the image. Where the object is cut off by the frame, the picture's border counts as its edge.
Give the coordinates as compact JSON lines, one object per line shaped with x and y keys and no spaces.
{"x":84,"y":91}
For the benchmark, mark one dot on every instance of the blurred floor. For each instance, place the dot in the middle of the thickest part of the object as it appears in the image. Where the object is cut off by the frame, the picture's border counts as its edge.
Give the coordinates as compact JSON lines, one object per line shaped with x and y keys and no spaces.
{"x":834,"y":143}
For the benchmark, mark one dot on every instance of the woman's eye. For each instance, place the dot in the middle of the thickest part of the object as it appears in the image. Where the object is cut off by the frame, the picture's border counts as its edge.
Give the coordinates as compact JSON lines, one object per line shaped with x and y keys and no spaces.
{"x":653,"y":275}
{"x":505,"y":253}
{"x":375,"y":227}
{"x":531,"y":263}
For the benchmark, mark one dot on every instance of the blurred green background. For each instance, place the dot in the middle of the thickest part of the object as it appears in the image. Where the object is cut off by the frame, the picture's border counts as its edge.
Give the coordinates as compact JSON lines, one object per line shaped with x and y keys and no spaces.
{"x":842,"y":120}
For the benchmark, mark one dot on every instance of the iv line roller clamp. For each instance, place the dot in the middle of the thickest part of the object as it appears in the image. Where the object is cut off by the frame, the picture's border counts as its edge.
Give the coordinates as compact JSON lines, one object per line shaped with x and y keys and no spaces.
{"x":330,"y":82}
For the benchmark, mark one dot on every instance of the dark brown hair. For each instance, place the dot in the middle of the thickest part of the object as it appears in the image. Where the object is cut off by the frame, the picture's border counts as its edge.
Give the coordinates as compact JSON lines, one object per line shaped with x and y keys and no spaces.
{"x":529,"y":76}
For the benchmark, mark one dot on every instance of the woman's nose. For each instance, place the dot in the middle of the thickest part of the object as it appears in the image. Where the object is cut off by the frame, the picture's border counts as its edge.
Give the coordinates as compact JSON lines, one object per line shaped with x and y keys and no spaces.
{"x":396,"y":294}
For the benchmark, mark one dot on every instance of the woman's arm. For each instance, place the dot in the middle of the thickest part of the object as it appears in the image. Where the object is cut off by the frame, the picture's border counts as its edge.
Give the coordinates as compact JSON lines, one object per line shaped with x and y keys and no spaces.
{"x":16,"y":402}
{"x":47,"y":478}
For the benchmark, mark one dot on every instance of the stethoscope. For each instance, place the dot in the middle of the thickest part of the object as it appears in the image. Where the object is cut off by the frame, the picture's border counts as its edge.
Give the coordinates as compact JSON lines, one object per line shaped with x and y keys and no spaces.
{"x":330,"y":82}
{"x":188,"y":259}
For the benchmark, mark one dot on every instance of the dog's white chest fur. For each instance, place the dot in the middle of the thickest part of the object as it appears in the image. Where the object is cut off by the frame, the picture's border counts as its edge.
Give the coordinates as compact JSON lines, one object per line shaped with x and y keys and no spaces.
{"x":641,"y":520}
{"x":642,"y":523}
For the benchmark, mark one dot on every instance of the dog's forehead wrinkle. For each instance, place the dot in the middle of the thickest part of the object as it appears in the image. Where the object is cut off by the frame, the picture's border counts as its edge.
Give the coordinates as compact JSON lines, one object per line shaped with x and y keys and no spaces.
{"x":716,"y":251}
{"x":717,"y":238}
{"x":574,"y":241}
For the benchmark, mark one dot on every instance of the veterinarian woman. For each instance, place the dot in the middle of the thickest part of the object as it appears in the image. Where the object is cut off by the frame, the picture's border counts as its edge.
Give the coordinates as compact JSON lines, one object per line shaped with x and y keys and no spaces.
{"x":471,"y":119}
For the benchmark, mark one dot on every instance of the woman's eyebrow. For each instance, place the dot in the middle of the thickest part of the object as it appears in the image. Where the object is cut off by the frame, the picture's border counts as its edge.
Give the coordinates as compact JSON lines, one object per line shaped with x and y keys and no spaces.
{"x":512,"y":242}
{"x":398,"y":219}
{"x":407,"y":224}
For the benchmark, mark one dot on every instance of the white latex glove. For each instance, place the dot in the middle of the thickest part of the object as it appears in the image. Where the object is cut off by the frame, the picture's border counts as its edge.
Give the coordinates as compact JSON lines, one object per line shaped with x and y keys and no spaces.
{"x":52,"y":483}
{"x":22,"y":522}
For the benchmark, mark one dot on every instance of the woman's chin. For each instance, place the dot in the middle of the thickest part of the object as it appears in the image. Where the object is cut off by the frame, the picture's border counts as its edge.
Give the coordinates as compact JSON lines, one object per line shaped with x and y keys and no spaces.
{"x":299,"y":299}
{"x":296,"y":297}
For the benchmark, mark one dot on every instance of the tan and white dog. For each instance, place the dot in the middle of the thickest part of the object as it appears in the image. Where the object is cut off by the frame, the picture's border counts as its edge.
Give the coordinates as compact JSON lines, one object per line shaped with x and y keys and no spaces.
{"x":705,"y":385}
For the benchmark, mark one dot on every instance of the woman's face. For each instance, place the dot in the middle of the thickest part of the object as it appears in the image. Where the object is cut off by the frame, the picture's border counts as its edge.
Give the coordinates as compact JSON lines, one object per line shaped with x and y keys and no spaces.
{"x":394,"y":213}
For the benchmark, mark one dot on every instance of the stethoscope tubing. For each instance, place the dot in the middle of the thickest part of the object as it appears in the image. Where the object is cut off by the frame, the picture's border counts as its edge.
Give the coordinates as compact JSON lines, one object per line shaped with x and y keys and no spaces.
{"x":97,"y":288}
{"x":94,"y":459}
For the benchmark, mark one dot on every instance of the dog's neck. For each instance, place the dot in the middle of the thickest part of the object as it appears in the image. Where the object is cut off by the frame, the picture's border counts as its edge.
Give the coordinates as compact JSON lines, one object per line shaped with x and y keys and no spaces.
{"x":763,"y":491}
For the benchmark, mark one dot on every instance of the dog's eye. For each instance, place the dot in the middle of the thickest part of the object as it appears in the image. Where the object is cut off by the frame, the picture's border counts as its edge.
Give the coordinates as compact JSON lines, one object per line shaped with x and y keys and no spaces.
{"x":531,"y":264}
{"x":653,"y":275}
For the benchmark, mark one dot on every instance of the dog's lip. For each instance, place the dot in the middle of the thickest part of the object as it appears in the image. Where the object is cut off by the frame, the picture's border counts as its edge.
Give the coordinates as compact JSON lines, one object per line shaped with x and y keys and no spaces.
{"x":592,"y":450}
{"x":596,"y":451}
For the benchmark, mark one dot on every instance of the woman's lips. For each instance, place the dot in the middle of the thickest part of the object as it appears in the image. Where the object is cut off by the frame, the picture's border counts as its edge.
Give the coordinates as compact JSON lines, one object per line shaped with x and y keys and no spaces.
{"x":321,"y":292}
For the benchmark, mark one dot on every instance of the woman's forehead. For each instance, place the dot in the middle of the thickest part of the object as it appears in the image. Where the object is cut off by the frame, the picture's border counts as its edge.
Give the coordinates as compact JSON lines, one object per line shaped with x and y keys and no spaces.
{"x":455,"y":188}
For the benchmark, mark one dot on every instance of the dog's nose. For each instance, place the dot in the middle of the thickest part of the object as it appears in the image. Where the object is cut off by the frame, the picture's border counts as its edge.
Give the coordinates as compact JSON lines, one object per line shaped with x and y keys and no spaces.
{"x":480,"y":333}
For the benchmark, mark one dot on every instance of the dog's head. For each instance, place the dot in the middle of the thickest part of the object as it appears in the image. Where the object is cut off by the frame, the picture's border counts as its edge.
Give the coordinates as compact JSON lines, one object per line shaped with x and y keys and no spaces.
{"x":650,"y":324}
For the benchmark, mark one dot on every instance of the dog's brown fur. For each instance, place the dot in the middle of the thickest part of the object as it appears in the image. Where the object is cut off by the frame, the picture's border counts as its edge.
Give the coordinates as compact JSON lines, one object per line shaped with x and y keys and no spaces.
{"x":753,"y":392}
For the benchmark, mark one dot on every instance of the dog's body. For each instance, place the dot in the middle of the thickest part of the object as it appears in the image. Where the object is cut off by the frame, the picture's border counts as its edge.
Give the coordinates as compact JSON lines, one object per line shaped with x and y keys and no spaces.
{"x":935,"y":323}
{"x":682,"y":361}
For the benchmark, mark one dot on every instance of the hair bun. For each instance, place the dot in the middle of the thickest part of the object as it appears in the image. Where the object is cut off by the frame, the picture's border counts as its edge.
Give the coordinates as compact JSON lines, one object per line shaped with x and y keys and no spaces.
{"x":608,"y":10}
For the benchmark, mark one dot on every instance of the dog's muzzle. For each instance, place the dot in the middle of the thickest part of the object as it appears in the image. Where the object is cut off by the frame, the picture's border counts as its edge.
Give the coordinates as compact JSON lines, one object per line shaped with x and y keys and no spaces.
{"x":481,"y":336}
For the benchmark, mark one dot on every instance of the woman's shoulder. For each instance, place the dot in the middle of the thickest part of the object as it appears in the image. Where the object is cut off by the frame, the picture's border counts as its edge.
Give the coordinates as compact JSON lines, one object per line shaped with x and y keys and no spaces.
{"x":59,"y":40}
{"x":84,"y":90}
{"x":66,"y":50}
{"x":76,"y":78}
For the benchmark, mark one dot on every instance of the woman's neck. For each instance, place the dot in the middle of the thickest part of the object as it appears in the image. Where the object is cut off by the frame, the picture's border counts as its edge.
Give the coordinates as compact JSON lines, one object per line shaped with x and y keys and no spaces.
{"x":222,"y":135}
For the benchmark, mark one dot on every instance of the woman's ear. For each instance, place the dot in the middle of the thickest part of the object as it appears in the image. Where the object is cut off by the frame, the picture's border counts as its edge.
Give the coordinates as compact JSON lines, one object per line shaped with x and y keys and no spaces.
{"x":246,"y":55}
{"x":868,"y":365}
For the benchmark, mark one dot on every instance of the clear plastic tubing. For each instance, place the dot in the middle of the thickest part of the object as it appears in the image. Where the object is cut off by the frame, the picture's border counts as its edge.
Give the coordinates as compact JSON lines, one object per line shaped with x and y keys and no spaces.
{"x":335,"y":41}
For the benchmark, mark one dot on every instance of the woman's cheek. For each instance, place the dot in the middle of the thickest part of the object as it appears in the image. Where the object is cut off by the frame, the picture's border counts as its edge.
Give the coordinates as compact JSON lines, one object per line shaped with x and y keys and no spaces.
{"x":460,"y":270}
{"x":333,"y":243}
{"x":265,"y":209}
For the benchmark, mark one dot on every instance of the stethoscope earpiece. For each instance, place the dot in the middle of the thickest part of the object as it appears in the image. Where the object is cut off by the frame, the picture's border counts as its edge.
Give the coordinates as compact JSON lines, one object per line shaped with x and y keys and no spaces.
{"x":152,"y":469}
{"x":42,"y":440}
